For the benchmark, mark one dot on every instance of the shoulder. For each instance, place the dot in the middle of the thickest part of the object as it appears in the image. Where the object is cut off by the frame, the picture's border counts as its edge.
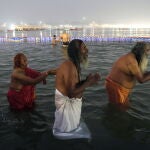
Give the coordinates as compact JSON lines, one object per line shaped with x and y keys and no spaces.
{"x":66,"y":66}
{"x":127,"y":58}
{"x":67,"y":63}
{"x":131,"y":59}
{"x":132,"y":65}
{"x":18,"y":71}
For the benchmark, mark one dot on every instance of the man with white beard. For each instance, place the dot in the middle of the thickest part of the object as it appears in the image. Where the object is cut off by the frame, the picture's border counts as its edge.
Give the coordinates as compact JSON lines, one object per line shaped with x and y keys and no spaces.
{"x":126,"y":71}
{"x":69,"y":92}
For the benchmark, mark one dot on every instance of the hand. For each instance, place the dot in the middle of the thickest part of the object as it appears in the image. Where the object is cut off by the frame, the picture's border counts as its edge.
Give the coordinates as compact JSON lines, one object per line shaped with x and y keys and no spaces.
{"x":97,"y":76}
{"x":93,"y":79}
{"x":44,"y":74}
{"x":52,"y":71}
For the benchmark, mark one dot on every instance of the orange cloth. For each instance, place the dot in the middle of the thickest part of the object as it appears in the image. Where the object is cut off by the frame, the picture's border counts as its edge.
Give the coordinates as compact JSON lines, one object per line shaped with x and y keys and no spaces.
{"x":116,"y":93}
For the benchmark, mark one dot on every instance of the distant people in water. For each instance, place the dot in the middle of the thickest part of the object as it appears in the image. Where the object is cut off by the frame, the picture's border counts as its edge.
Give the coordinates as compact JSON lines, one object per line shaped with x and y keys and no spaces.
{"x":128,"y":69}
{"x":69,"y":92}
{"x":21,"y":94}
{"x":54,"y":40}
{"x":65,"y":38}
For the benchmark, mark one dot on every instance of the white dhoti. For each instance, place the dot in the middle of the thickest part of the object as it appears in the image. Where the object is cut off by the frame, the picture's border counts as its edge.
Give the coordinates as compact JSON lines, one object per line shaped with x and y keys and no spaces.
{"x":67,"y":118}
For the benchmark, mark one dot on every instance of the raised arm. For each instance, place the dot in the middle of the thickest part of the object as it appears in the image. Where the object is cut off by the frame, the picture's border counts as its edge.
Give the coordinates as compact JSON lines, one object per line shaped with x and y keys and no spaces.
{"x":78,"y":90}
{"x":52,"y":72}
{"x":22,"y":78}
{"x":140,"y":77}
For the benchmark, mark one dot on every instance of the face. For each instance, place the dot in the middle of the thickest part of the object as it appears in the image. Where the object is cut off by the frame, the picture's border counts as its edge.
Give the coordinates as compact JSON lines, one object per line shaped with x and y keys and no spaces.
{"x":84,"y":51}
{"x":147,"y":49}
{"x":24,"y":61}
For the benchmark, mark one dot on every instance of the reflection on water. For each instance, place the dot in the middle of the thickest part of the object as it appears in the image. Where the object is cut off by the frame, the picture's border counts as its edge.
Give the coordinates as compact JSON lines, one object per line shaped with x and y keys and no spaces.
{"x":32,"y":129}
{"x":122,"y":124}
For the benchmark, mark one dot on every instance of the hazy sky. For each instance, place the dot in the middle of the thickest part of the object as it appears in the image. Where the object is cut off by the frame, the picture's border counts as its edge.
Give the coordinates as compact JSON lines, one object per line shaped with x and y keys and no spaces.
{"x":75,"y":11}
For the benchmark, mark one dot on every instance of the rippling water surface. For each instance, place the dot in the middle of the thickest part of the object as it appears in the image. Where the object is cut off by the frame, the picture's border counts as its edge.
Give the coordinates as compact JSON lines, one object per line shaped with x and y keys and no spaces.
{"x":111,"y":128}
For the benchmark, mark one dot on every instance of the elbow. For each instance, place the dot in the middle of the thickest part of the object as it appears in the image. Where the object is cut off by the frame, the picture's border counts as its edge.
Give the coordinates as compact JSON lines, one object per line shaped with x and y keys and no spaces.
{"x":141,"y":81}
{"x":71,"y":95}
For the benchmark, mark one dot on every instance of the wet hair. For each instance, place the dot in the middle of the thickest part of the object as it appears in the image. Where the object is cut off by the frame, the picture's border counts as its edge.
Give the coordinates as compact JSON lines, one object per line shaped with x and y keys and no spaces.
{"x":17,"y":60}
{"x":74,"y":53}
{"x":139,"y":50}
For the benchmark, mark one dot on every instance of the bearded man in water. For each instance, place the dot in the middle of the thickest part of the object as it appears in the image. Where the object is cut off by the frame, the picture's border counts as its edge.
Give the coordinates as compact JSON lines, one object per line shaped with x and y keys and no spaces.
{"x":128,"y":69}
{"x":70,"y":88}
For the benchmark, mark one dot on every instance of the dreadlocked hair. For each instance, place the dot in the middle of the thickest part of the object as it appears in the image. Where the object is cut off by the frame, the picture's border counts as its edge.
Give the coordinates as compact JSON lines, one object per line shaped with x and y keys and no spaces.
{"x":74,"y":53}
{"x":138,"y":50}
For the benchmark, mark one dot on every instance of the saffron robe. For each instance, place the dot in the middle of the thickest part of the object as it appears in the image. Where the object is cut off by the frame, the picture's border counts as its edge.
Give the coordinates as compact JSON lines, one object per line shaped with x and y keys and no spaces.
{"x":116,"y":93}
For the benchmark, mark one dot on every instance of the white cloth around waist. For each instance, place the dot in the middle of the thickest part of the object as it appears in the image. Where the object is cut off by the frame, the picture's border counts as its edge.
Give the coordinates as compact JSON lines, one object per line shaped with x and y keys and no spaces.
{"x":68,"y":112}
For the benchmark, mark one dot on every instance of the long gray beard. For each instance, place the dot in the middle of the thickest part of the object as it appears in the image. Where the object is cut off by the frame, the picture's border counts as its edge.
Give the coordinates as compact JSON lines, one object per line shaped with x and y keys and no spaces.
{"x":84,"y":62}
{"x":144,"y":63}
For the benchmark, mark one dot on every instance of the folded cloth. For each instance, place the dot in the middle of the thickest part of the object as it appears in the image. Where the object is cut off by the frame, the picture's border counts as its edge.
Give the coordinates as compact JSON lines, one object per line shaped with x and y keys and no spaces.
{"x":67,"y":118}
{"x":68,"y":112}
{"x":116,"y":92}
{"x":25,"y":97}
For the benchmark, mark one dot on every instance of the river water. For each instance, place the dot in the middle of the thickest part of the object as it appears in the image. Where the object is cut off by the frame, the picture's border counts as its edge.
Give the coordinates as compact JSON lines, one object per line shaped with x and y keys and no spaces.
{"x":110,"y":128}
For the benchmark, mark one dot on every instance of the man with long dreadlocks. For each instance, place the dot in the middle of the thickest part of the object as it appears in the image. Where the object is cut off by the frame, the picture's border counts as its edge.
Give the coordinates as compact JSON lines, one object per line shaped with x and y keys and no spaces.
{"x":126,"y":71}
{"x":69,"y":91}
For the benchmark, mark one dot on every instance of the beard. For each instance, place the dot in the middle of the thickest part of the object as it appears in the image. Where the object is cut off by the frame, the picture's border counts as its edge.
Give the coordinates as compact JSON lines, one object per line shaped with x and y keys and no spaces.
{"x":144,"y":63}
{"x":84,"y":62}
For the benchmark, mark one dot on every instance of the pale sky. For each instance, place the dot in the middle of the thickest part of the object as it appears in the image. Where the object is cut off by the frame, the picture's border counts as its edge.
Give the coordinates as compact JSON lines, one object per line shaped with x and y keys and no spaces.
{"x":75,"y":11}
